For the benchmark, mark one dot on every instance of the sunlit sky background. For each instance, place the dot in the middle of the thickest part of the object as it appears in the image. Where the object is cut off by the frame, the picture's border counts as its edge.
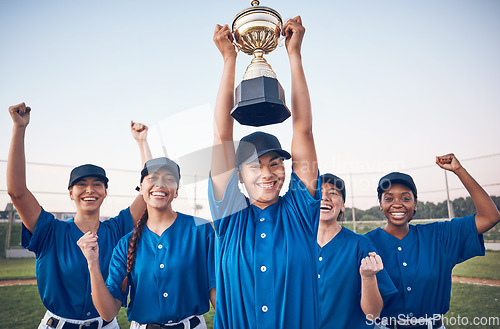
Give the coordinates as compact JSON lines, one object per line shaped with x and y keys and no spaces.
{"x":392,"y":83}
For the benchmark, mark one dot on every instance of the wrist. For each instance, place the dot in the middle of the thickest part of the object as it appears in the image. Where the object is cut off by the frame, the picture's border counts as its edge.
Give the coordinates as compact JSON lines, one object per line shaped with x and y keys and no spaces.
{"x":368,"y":277}
{"x":231,"y":59}
{"x":93,"y":266}
{"x":19,"y":128}
{"x":460,"y":171}
{"x":295,"y":55}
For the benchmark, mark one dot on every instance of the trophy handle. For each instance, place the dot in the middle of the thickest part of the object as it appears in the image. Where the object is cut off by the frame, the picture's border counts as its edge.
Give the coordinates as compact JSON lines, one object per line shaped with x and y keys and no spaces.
{"x":236,"y":41}
{"x":281,"y":41}
{"x":236,"y":46}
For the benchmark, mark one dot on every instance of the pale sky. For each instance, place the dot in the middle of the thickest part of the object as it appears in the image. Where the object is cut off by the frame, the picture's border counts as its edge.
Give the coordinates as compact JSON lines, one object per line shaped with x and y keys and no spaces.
{"x":392,"y":83}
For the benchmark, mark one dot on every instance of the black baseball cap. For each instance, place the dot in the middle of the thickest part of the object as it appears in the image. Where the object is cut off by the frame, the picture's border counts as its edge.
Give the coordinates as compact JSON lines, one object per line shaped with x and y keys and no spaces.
{"x":252,"y":146}
{"x":396,"y":178}
{"x":336,"y":181}
{"x":153,"y":165}
{"x":87,"y":170}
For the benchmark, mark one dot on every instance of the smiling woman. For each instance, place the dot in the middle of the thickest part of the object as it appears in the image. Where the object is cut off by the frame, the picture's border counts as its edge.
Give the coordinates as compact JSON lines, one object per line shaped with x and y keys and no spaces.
{"x":88,"y":189}
{"x":420,"y":258}
{"x":168,"y":256}
{"x":160,"y":185}
{"x":264,"y":176}
{"x":349,"y":268}
{"x":266,"y":257}
{"x":62,"y":277}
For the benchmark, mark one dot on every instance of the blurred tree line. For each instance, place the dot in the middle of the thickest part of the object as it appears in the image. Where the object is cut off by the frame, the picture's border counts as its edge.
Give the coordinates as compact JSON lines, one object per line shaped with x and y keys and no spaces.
{"x":428,"y":210}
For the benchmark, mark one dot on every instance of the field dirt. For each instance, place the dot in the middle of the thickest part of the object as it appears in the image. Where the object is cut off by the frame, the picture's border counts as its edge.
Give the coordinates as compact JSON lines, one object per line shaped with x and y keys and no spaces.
{"x":17,"y":282}
{"x":485,"y":282}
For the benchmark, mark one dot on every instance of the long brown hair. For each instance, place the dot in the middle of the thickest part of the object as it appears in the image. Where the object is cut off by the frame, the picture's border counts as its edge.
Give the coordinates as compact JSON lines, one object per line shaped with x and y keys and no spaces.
{"x":132,"y":246}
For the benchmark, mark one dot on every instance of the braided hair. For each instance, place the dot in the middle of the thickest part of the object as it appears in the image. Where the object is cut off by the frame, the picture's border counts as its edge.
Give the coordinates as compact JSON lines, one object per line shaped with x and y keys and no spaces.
{"x":132,"y":246}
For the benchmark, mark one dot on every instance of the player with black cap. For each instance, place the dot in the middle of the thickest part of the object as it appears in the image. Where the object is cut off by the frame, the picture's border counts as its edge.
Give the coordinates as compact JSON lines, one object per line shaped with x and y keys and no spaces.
{"x":266,"y":257}
{"x":166,"y":264}
{"x":349,"y":268}
{"x":62,"y":274}
{"x":420,"y":258}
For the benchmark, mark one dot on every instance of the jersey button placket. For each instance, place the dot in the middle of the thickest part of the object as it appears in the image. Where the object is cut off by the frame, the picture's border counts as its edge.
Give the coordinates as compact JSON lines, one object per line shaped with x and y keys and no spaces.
{"x":403,"y":263}
{"x":159,"y":260}
{"x":321,"y":266}
{"x":403,"y":269}
{"x":263,"y":260}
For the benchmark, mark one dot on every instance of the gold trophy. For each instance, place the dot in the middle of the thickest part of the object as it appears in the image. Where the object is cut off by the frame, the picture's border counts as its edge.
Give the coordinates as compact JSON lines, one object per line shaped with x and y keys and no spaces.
{"x":259,"y":98}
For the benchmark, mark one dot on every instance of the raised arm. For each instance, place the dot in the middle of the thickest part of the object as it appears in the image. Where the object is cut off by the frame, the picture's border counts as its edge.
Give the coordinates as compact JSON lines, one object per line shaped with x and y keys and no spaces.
{"x":107,"y":305}
{"x":371,"y":300}
{"x":140,"y":134}
{"x":304,"y":157}
{"x":223,"y":158}
{"x":24,"y":201}
{"x":487,"y":214}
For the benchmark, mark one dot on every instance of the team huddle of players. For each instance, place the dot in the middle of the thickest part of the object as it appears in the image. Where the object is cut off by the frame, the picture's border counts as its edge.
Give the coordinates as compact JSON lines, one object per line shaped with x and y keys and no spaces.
{"x":268,"y":261}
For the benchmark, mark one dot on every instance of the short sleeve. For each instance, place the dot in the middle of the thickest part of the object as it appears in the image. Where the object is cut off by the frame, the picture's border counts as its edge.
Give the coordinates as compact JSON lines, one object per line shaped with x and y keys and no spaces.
{"x":460,"y":239}
{"x":385,"y":285}
{"x":118,"y":270}
{"x":35,"y":241}
{"x":304,"y":205}
{"x":232,"y":202}
{"x":121,"y":224}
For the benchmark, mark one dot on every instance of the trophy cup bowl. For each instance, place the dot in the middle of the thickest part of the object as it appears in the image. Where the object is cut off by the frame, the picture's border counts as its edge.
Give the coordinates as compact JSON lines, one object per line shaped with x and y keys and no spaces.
{"x":259,"y":98}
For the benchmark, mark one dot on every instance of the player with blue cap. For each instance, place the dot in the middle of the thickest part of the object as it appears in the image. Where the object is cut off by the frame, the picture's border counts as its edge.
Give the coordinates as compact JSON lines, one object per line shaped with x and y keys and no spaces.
{"x":61,"y":269}
{"x":166,"y":265}
{"x":420,"y":258}
{"x":266,"y":243}
{"x":349,"y":268}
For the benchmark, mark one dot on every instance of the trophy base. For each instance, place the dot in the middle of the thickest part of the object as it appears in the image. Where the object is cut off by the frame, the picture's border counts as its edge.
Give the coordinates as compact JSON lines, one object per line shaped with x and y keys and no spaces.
{"x":260,"y":102}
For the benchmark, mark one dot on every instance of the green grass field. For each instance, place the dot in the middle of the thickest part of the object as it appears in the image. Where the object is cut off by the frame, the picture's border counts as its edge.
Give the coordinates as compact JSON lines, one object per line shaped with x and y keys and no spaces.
{"x":22,"y":309}
{"x":487,"y":267}
{"x":17,"y":268}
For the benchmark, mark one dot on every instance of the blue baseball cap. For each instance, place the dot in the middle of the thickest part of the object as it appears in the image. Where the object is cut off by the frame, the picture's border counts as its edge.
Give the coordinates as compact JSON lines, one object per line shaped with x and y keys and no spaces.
{"x":336,"y":181}
{"x":253,"y":146}
{"x":388,"y":180}
{"x":87,"y":170}
{"x":153,"y":165}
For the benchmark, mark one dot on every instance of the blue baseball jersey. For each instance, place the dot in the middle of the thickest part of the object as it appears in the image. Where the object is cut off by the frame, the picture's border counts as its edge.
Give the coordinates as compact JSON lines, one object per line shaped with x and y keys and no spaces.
{"x":420,"y":264}
{"x":339,"y":281}
{"x":173,"y":273}
{"x":266,"y":259}
{"x":61,"y":268}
